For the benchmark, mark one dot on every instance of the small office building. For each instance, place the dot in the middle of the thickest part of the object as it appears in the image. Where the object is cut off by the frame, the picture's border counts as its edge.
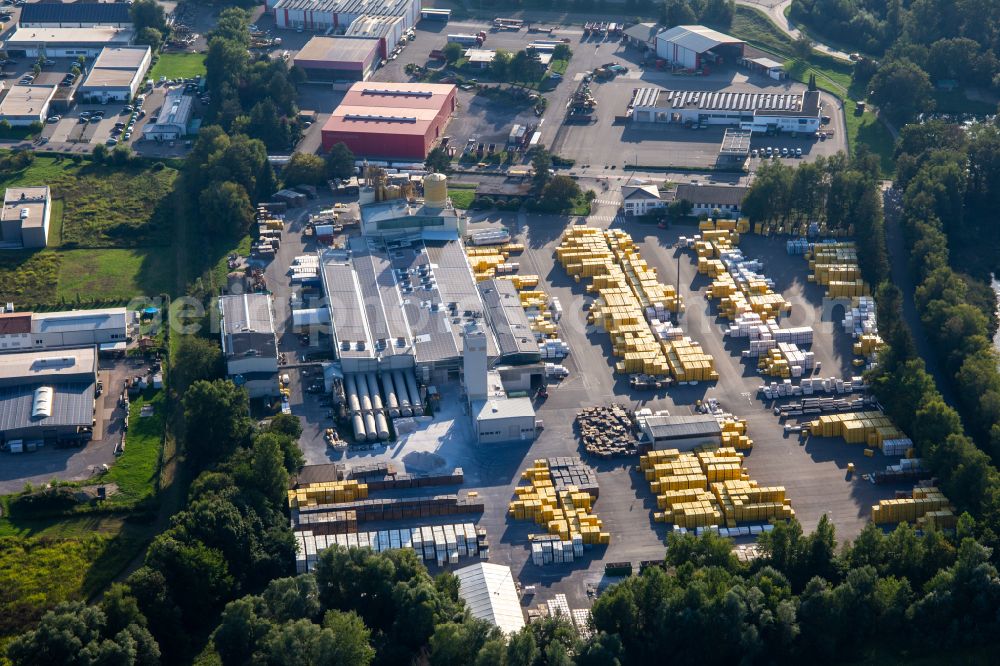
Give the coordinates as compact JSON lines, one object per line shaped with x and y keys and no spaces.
{"x":249,"y":345}
{"x":681,"y":432}
{"x":24,"y":222}
{"x":327,"y":59}
{"x":24,"y":105}
{"x":641,"y":199}
{"x":727,"y":199}
{"x":47,"y":395}
{"x":116,"y":75}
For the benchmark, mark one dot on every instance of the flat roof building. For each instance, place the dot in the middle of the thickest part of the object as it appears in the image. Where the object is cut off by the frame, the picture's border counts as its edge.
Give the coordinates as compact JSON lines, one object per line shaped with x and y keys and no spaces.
{"x":388,"y":30}
{"x":47,"y":395}
{"x":681,"y":432}
{"x":338,"y":58}
{"x":249,"y":344}
{"x":24,"y":222}
{"x":391,"y":120}
{"x":489,"y":593}
{"x":116,"y":74}
{"x":339,"y":15}
{"x":24,"y":105}
{"x":694,"y":46}
{"x":74,"y":15}
{"x":749,"y":110}
{"x":398,"y":217}
{"x":735,"y":149}
{"x":27,"y":42}
{"x":174,"y":118}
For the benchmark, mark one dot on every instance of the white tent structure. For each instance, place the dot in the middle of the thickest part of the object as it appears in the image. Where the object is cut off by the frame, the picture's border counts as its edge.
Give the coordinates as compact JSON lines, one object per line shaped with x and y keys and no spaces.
{"x":489,"y":592}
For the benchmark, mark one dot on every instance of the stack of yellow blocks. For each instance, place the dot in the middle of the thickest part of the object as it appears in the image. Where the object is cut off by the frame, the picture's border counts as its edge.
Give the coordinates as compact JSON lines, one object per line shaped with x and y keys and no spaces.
{"x":867,"y":345}
{"x":533,"y":299}
{"x":734,"y":434}
{"x":835,"y":266}
{"x":566,"y":513}
{"x":868,"y":428}
{"x":484,"y":261}
{"x":586,"y":252}
{"x":927,"y":506}
{"x":521,"y":281}
{"x":327,"y":492}
{"x":734,"y":298}
{"x":708,"y":487}
{"x":688,"y":362}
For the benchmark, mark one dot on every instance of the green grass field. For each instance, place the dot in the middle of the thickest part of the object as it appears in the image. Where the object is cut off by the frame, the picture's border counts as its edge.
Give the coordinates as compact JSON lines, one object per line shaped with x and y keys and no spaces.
{"x":123,"y":215}
{"x":114,"y":274}
{"x":178,"y":66}
{"x":461,"y":198}
{"x":135,"y":471}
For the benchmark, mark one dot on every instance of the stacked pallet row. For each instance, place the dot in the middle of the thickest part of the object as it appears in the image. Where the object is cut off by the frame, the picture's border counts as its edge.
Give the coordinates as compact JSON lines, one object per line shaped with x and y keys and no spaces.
{"x":734,"y":434}
{"x":786,"y":360}
{"x":868,"y":428}
{"x":565,"y":513}
{"x":709,"y":487}
{"x":835,"y":266}
{"x":585,"y":253}
{"x":927,"y":507}
{"x":606,"y":431}
{"x":492,"y":261}
{"x":688,"y":362}
{"x":657,"y":300}
{"x":443,"y":543}
{"x":327,"y":492}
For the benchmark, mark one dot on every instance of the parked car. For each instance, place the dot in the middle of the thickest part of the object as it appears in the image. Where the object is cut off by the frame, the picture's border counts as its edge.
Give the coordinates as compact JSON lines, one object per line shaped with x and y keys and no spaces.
{"x":798,"y":152}
{"x":784,"y":152}
{"x":127,"y":136}
{"x":555,"y":76}
{"x":53,"y":119}
{"x":753,"y":153}
{"x":112,"y":141}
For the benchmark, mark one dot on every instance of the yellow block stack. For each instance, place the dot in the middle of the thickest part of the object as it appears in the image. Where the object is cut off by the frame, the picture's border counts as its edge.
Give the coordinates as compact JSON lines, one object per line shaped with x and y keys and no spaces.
{"x":327,"y":492}
{"x":835,"y":266}
{"x":735,"y":298}
{"x":709,"y":487}
{"x":688,"y":362}
{"x":868,"y":428}
{"x":927,"y":507}
{"x":566,"y":513}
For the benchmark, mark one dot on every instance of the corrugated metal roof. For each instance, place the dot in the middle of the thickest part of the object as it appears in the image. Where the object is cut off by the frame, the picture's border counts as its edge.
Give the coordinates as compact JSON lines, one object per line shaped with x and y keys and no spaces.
{"x":720,"y":195}
{"x":507,"y":318}
{"x":98,"y":13}
{"x":489,"y":593}
{"x":248,"y":329}
{"x":696,"y":38}
{"x":79,"y":320}
{"x":502,"y":408}
{"x":682,"y":427}
{"x":358,"y":7}
{"x":72,"y":404}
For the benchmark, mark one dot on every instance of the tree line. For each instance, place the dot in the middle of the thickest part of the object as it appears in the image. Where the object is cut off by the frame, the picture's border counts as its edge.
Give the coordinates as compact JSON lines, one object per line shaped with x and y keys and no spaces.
{"x":918,"y":44}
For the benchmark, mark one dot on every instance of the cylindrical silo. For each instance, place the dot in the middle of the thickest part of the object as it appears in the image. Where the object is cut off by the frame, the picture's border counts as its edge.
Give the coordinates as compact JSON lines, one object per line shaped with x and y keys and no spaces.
{"x":435,"y":190}
{"x":366,"y":400}
{"x":390,"y":394}
{"x":373,"y":390}
{"x":351,"y":388}
{"x":359,"y":427}
{"x":404,"y":398}
{"x":411,"y":388}
{"x":381,"y":426}
{"x":372,"y":432}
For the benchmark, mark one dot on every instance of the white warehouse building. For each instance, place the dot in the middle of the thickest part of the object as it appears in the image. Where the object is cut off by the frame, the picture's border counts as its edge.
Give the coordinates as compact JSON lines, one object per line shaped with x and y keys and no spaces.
{"x":754,"y":111}
{"x":338,"y":15}
{"x":694,"y":46}
{"x":248,"y":343}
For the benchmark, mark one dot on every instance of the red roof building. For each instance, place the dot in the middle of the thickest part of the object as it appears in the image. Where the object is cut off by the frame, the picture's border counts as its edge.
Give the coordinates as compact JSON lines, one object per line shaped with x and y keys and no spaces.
{"x":391,"y":120}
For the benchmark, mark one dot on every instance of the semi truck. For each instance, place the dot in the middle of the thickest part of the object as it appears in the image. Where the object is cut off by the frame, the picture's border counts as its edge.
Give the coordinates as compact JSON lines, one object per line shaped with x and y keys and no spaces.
{"x":469,"y":39}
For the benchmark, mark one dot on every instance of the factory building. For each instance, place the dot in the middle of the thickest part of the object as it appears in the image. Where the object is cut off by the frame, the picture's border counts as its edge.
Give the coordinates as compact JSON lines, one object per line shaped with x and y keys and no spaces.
{"x":391,"y":120}
{"x":28,"y":42}
{"x":681,"y":432}
{"x":751,"y":111}
{"x":248,"y":343}
{"x":24,"y":222}
{"x":695,"y":46}
{"x":516,"y":342}
{"x":105,"y":328}
{"x":387,"y":30}
{"x":47,"y":396}
{"x":325,"y":59}
{"x":339,"y":15}
{"x":116,"y":75}
{"x":74,"y":15}
{"x":497,"y":418}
